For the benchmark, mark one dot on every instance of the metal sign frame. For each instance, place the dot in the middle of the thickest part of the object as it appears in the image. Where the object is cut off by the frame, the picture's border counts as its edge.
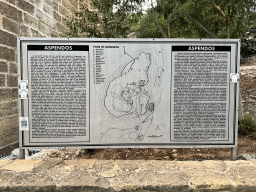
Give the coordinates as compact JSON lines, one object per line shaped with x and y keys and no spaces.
{"x":178,"y":45}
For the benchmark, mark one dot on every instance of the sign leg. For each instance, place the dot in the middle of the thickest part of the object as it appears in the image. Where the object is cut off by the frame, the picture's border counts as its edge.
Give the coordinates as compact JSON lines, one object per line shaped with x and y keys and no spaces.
{"x":233,"y":153}
{"x":21,"y":153}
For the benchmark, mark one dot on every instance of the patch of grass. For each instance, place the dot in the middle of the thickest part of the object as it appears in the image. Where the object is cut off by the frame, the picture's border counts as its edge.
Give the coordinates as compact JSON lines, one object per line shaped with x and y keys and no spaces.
{"x":247,"y":126}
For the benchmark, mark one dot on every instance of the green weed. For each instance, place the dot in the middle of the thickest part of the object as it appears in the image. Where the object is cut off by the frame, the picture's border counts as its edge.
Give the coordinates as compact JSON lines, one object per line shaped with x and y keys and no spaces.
{"x":247,"y":126}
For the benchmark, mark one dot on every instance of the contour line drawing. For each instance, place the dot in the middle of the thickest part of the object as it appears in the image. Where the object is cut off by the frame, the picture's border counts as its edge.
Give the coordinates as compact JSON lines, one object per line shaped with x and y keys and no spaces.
{"x":130,"y":96}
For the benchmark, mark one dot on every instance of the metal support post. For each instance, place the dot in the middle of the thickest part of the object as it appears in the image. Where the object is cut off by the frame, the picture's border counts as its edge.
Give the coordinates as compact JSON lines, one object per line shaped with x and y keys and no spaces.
{"x":233,"y":153}
{"x":21,"y":153}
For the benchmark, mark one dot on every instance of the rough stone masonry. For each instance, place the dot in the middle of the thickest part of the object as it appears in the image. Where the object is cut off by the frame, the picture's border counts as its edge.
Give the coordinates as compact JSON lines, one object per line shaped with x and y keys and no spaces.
{"x":120,"y":175}
{"x":23,"y":18}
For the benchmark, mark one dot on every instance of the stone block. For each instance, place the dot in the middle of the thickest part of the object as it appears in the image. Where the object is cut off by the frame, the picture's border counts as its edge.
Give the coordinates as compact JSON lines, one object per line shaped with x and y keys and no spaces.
{"x":21,"y":165}
{"x":53,"y":4}
{"x":150,"y":180}
{"x":13,"y":68}
{"x":46,"y":165}
{"x":1,"y":21}
{"x":12,"y":81}
{"x":10,"y":12}
{"x":25,"y":31}
{"x":80,"y":163}
{"x":8,"y":39}
{"x":24,"y":182}
{"x":242,"y":175}
{"x":101,"y":165}
{"x":3,"y":67}
{"x":5,"y":178}
{"x":36,"y":3}
{"x":54,"y":33}
{"x":207,"y":180}
{"x":9,"y":126}
{"x":14,"y":2}
{"x":10,"y":25}
{"x":5,"y":162}
{"x":49,"y":2}
{"x":5,"y":94}
{"x":6,"y":53}
{"x":64,"y":20}
{"x":155,"y":165}
{"x":35,"y":33}
{"x":253,"y":161}
{"x":9,"y":136}
{"x":193,"y":165}
{"x":12,"y":121}
{"x":48,"y":8}
{"x":15,"y":56}
{"x":87,"y":179}
{"x":2,"y":80}
{"x":7,"y":150}
{"x":231,"y":164}
{"x":68,"y":6}
{"x":215,"y":165}
{"x":56,"y":16}
{"x":9,"y":108}
{"x":30,"y":20}
{"x":45,"y":18}
{"x":63,"y":11}
{"x":31,"y":1}
{"x":74,"y":3}
{"x":14,"y":93}
{"x":26,"y":6}
{"x":61,"y":28}
{"x":14,"y":107}
{"x":44,"y":29}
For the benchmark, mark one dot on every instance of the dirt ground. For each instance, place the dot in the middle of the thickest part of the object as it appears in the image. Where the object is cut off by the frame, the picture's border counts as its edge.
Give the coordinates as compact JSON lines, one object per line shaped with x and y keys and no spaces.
{"x":246,"y":144}
{"x":249,"y":61}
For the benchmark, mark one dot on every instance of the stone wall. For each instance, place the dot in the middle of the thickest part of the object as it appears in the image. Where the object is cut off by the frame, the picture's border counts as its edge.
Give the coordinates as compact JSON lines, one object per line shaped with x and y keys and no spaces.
{"x":23,"y":18}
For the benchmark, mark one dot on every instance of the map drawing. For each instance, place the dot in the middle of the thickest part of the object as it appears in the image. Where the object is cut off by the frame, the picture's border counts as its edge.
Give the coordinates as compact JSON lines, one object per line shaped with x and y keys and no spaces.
{"x":130,"y":96}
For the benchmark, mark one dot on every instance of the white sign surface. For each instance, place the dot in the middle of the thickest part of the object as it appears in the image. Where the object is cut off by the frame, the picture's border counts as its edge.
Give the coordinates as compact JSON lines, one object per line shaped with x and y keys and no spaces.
{"x":123,"y":93}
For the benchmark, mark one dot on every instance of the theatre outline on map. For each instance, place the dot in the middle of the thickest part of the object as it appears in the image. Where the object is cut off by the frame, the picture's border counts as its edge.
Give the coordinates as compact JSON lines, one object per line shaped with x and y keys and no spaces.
{"x":130,"y":96}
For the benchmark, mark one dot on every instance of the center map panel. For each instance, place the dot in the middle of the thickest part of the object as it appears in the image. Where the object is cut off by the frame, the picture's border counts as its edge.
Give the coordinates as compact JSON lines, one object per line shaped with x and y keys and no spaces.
{"x":130,"y":94}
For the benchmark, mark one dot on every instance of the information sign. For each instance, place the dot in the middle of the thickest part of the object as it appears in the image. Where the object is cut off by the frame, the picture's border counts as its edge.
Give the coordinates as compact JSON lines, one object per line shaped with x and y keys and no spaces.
{"x":96,"y":93}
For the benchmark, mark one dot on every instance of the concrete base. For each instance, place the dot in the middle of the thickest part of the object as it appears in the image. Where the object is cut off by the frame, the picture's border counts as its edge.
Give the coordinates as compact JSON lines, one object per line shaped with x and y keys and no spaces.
{"x":120,"y":175}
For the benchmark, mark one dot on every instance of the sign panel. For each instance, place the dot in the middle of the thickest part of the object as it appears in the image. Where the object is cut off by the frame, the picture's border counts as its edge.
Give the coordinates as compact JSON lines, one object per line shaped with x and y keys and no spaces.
{"x":128,"y":93}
